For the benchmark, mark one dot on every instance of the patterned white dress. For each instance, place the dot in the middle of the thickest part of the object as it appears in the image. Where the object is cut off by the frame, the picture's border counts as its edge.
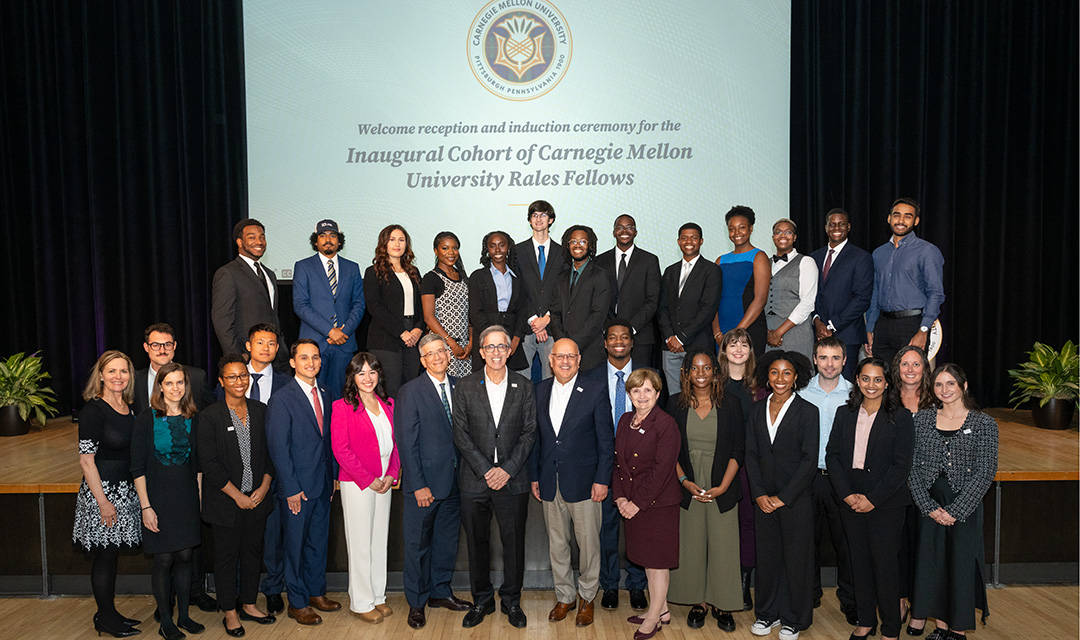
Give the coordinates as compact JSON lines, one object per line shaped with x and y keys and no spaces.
{"x":107,"y":434}
{"x":452,"y":312}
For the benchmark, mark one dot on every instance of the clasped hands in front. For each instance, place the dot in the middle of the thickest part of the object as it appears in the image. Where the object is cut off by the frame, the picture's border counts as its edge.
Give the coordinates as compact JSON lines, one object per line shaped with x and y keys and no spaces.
{"x":859,"y":503}
{"x":768,"y":504}
{"x":701,"y":495}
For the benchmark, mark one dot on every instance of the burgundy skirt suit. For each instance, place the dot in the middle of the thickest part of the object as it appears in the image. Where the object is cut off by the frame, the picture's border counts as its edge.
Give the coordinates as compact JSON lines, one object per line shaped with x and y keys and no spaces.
{"x":644,"y":474}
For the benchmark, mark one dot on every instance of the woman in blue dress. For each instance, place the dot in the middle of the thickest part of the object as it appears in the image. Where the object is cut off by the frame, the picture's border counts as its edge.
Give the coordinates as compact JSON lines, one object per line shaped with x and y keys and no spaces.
{"x":746,"y":272}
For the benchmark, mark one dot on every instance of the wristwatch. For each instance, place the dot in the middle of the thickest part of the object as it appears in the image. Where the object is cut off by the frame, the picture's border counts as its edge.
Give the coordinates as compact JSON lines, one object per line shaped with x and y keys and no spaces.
{"x":924,"y":329}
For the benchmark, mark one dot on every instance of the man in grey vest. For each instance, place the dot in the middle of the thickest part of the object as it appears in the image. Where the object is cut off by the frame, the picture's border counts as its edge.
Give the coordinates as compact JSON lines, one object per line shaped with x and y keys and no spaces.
{"x":792,"y":292}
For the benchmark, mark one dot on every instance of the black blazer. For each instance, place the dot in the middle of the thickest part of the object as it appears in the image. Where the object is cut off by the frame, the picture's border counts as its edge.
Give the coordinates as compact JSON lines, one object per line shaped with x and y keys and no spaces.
{"x":219,"y":454}
{"x":785,"y":467}
{"x":730,"y":445}
{"x":200,"y":392}
{"x":241,"y":301}
{"x":580,"y":313}
{"x":638,"y":299}
{"x":845,"y":296}
{"x":888,"y":457}
{"x":689,"y":316}
{"x":484,"y":312}
{"x":386,"y":304}
{"x":477,"y":439}
{"x":538,"y":292}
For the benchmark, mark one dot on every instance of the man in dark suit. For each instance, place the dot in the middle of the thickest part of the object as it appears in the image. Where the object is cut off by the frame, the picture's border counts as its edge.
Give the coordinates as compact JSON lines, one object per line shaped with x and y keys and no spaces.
{"x":688,"y":302}
{"x":328,"y":297}
{"x":845,"y":286}
{"x":539,"y":263}
{"x":245,"y":292}
{"x":584,"y":297}
{"x":494,"y":429}
{"x":298,"y":434}
{"x":619,"y":345}
{"x":159,"y":343}
{"x":571,"y":470}
{"x":637,"y":277}
{"x":432,"y":502}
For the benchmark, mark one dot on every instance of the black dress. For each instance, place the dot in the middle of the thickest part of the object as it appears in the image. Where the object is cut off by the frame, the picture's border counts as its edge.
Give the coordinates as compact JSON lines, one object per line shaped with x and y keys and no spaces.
{"x":163,"y":450}
{"x":107,"y":434}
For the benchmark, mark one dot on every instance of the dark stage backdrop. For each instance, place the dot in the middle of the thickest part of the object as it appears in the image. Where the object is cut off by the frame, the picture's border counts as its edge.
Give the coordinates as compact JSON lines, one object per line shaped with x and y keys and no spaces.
{"x":971,"y":108}
{"x":122,"y":165}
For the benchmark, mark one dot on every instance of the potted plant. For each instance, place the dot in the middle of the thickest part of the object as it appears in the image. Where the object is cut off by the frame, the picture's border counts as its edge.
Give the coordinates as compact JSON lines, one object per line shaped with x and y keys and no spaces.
{"x":21,"y":395}
{"x":1052,"y":378}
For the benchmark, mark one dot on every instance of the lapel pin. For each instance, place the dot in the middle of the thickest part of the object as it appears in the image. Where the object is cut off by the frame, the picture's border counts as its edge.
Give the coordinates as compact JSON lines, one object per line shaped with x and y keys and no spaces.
{"x":513,"y":384}
{"x":580,"y":390}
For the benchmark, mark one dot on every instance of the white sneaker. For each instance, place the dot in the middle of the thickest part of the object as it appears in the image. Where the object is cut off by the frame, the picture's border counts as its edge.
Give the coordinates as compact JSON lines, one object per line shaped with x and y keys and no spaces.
{"x":763,"y":627}
{"x":788,"y":633}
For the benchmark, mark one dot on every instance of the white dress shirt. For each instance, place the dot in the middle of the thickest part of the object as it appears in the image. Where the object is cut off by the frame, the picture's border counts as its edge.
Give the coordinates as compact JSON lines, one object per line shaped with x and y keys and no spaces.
{"x":407,"y":287}
{"x":266,"y":383}
{"x":496,"y":393}
{"x":687,"y":267}
{"x":445,"y":382}
{"x":560,"y":397}
{"x":312,"y":399}
{"x":808,"y":277}
{"x":773,"y":426}
{"x":266,"y":278}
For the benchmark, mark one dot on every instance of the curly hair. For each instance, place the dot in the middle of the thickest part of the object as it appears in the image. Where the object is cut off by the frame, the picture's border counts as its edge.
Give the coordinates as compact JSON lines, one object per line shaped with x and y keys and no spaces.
{"x":351,"y":393}
{"x":314,"y":240}
{"x":798,"y":361}
{"x":890,"y":400}
{"x":589,"y":233}
{"x":686,"y":387}
{"x":926,"y":394}
{"x":383,"y":268}
{"x":741,"y":210}
{"x":749,"y":380}
{"x":485,"y":259}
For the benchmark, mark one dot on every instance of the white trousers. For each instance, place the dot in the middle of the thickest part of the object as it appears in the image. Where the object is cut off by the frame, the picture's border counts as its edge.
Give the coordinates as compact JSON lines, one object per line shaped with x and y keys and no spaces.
{"x":367,"y":527}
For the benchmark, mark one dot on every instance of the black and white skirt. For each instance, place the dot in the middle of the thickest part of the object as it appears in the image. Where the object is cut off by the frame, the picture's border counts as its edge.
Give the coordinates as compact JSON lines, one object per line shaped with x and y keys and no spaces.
{"x":89,"y":534}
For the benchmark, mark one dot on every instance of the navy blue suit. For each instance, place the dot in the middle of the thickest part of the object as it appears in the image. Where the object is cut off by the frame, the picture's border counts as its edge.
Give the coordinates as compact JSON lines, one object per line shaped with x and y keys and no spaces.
{"x":316,"y":306}
{"x":844,"y":297}
{"x":305,"y":462}
{"x":428,"y":459}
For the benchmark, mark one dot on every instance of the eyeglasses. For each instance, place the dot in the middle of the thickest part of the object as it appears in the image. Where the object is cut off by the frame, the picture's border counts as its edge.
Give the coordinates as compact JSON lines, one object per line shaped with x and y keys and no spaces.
{"x":233,"y":379}
{"x":496,"y":348}
{"x":537,"y":215}
{"x":565,"y":356}
{"x":625,"y":227}
{"x":157,"y":346}
{"x":577,"y":243}
{"x":783,"y":232}
{"x":435,"y":352}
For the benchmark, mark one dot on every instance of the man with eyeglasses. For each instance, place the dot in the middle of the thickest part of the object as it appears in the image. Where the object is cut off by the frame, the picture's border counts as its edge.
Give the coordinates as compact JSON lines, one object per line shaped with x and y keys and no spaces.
{"x":792,"y":293}
{"x":637,"y":280}
{"x":432,"y":499}
{"x":539,"y":263}
{"x":571,"y":470}
{"x":584,"y":297}
{"x":494,"y":416}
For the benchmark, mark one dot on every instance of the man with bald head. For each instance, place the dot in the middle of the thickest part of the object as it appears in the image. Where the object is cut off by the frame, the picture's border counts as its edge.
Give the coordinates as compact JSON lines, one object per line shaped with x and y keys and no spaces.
{"x":571,"y":470}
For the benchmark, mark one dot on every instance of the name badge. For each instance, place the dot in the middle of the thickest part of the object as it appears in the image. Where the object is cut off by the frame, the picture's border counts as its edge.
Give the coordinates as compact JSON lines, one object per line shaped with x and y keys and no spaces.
{"x":231,"y":429}
{"x":641,"y":431}
{"x":513,"y":384}
{"x":967,"y":430}
{"x":580,"y":390}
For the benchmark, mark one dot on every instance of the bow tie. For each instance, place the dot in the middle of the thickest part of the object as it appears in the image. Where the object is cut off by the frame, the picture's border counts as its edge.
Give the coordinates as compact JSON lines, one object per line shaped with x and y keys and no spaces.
{"x":782,"y":258}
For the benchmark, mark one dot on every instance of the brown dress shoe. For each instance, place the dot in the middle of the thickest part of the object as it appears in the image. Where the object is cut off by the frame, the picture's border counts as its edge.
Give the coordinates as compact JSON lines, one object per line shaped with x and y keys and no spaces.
{"x":585,"y":613}
{"x":373,"y":616}
{"x":322,"y":603}
{"x":384,"y":609}
{"x":306,"y":616}
{"x":560,"y":610}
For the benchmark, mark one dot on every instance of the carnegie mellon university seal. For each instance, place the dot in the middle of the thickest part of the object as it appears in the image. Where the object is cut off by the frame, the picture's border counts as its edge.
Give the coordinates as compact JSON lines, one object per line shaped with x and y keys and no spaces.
{"x":519,"y":49}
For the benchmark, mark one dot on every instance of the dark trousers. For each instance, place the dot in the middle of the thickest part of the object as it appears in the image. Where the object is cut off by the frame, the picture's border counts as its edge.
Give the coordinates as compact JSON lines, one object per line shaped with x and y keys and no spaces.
{"x":274,"y":549}
{"x":306,"y":537}
{"x":240,"y":544}
{"x":853,"y":360}
{"x":335,"y":359}
{"x":609,"y":551}
{"x":644,"y":355}
{"x":431,"y":545}
{"x":874,"y":540}
{"x":827,"y":514}
{"x":510,"y":512}
{"x":892,"y":335}
{"x":785,"y":572}
{"x":399,"y":367}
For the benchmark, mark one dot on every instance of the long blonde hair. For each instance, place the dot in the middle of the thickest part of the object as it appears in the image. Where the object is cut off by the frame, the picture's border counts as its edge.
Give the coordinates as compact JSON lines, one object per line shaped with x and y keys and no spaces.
{"x":95,"y":384}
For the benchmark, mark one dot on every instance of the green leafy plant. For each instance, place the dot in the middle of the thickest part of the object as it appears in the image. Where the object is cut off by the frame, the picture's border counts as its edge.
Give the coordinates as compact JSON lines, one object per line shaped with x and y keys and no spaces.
{"x":1048,"y":374}
{"x":20,"y":385}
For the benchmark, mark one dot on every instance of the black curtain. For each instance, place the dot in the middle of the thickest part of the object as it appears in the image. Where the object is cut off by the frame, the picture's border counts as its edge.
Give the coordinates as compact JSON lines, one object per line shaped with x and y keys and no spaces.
{"x":971,"y":108}
{"x":122,"y":154}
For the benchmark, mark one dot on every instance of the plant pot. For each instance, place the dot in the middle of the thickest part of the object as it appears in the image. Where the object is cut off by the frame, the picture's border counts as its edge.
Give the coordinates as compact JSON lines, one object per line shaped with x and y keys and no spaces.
{"x":1056,"y":414}
{"x":11,"y":424}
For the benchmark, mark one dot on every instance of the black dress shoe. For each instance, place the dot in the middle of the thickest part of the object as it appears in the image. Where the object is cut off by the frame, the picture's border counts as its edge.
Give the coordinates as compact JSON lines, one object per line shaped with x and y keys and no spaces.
{"x":236,"y":633}
{"x":514,"y":615}
{"x":817,"y":603}
{"x":912,"y":631}
{"x":724,"y":620}
{"x":851,"y":613}
{"x":122,"y":631}
{"x":171,"y":634}
{"x":204,"y":602}
{"x":610,"y":599}
{"x":452,"y":603}
{"x":476,"y":615}
{"x":637,"y":600}
{"x":274,"y":603}
{"x":869,"y":633}
{"x":417,"y":618}
{"x":244,"y":615}
{"x":190,"y":626}
{"x":696,"y":618}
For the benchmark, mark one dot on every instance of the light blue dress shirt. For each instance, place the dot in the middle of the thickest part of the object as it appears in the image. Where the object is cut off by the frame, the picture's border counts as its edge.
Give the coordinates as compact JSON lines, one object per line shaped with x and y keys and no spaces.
{"x":827,"y":404}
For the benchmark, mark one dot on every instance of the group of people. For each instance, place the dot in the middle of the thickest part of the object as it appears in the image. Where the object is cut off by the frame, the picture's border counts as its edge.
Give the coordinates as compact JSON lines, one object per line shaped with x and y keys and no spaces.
{"x":444,"y":402}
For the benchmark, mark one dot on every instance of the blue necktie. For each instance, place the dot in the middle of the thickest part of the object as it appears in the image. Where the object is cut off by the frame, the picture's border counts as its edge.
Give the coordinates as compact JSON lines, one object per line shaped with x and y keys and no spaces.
{"x":542,"y":261}
{"x":620,"y":398}
{"x":445,"y":402}
{"x":255,"y":386}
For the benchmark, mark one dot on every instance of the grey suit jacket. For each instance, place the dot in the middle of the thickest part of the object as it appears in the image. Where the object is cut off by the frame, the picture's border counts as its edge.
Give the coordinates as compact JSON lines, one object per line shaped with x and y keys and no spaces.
{"x":240,"y":301}
{"x":477,"y":439}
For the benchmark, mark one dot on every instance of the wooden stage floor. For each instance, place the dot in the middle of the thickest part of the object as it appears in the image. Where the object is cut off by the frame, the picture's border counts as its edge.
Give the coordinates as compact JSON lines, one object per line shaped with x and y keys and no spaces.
{"x":46,"y":460}
{"x":1049,"y":613}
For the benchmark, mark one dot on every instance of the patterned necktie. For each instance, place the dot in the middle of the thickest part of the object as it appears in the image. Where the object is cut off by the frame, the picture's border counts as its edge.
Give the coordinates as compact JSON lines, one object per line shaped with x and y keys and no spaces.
{"x":331,"y":273}
{"x":543,"y":262}
{"x":262,"y":279}
{"x":255,"y":386}
{"x":445,"y":402}
{"x":620,"y":398}
{"x":318,"y":407}
{"x":828,"y":265}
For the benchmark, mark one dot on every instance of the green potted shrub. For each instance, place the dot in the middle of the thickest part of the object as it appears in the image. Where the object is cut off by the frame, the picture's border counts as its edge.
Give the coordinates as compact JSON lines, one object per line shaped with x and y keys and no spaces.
{"x":1053,"y":379}
{"x":21,"y":395}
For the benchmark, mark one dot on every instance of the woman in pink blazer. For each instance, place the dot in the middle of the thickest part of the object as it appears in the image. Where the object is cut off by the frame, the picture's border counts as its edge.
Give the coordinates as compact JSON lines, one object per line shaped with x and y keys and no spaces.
{"x":362,"y":432}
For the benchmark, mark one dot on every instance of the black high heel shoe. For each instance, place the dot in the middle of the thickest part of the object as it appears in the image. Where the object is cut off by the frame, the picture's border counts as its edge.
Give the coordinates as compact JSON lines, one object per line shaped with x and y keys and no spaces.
{"x":124,"y":632}
{"x":873,"y":630}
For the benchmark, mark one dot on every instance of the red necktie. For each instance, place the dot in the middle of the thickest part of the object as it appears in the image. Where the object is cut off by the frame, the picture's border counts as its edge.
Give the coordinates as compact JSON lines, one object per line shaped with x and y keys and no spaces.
{"x":318,"y":407}
{"x":828,"y":264}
